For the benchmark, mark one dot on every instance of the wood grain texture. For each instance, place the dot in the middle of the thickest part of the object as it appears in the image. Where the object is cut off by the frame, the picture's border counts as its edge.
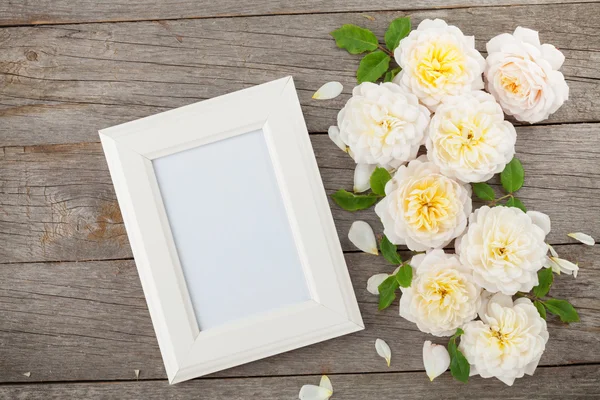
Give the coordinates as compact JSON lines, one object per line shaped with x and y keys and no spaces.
{"x":88,"y":321}
{"x":57,"y":202}
{"x":60,"y":84}
{"x":65,"y":11}
{"x":556,"y":383}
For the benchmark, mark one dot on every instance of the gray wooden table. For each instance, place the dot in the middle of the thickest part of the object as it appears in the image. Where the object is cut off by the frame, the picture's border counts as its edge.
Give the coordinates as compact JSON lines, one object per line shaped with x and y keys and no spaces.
{"x":73,"y":319}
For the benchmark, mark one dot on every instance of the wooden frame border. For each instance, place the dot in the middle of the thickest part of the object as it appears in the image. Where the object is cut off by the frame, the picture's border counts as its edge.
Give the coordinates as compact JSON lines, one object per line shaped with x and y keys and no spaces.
{"x":188,"y":352}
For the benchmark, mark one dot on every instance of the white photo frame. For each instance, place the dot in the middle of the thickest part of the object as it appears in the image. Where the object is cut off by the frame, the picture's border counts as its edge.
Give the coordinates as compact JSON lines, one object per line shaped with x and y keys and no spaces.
{"x":159,"y":218}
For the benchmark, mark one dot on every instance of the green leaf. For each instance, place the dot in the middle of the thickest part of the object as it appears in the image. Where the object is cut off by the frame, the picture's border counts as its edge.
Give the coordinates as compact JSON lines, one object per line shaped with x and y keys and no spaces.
{"x":563,"y":309}
{"x":391,"y":74}
{"x":389,"y":251}
{"x":540,"y":307}
{"x":379,"y":178}
{"x":545,"y":277}
{"x":514,"y":202}
{"x":483,"y":191}
{"x":459,"y":332}
{"x":513,"y":176}
{"x":387,"y":292}
{"x":372,"y":66}
{"x":459,"y":366}
{"x":352,"y":202}
{"x":404,"y":275}
{"x":355,"y":39}
{"x":398,"y":30}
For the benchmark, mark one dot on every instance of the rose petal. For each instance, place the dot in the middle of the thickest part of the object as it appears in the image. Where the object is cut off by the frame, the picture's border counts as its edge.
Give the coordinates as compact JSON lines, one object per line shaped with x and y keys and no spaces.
{"x":383,"y":350}
{"x":527,"y":35}
{"x":326,"y":383}
{"x":362,"y":236}
{"x":549,"y":263}
{"x":362,"y":176}
{"x":374,"y":282}
{"x":334,"y":135}
{"x":312,"y":392}
{"x":552,"y":251}
{"x":435,"y":359}
{"x":541,"y":220}
{"x":583,"y":238}
{"x":554,"y":56}
{"x":566,"y":266}
{"x":330,"y":90}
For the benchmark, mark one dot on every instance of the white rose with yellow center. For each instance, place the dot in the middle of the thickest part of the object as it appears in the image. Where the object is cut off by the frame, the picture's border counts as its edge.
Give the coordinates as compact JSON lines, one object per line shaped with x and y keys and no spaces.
{"x":509,"y":340}
{"x":383,"y":124}
{"x":423,"y":209}
{"x":523,"y":76}
{"x":442,"y":295}
{"x":505,"y":248}
{"x":438,"y":60}
{"x":469,"y":139}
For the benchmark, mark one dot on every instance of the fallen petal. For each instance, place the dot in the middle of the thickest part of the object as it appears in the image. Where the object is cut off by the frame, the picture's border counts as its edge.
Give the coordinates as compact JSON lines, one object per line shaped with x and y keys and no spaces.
{"x":326,"y":383}
{"x":549,"y":263}
{"x":362,"y":236}
{"x":583,"y":238}
{"x":435,"y":359}
{"x":334,"y":135}
{"x":312,"y":392}
{"x":566,"y":266}
{"x":137,"y":373}
{"x":383,"y":350}
{"x":330,"y":90}
{"x":552,"y":251}
{"x":374,"y":282}
{"x":27,"y":374}
{"x":362,"y":177}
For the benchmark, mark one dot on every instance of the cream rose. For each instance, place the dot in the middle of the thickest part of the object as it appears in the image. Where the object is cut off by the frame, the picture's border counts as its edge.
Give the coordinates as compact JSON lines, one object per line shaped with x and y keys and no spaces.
{"x":469,"y":139}
{"x":523,"y":75}
{"x":505,"y":248}
{"x":442,"y":296}
{"x":509,"y":340}
{"x":423,"y":209}
{"x":383,"y":124}
{"x":437,"y":60}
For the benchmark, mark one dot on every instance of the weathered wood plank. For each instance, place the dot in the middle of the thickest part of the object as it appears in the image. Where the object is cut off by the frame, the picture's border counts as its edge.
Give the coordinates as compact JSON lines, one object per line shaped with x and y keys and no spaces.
{"x":64,"y":11}
{"x":57,"y":202}
{"x":60,"y":84}
{"x":88,"y":321}
{"x":557,"y":383}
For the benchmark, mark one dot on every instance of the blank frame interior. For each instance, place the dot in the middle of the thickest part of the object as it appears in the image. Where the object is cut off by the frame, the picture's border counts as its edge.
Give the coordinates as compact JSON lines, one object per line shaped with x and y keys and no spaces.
{"x":247,"y":262}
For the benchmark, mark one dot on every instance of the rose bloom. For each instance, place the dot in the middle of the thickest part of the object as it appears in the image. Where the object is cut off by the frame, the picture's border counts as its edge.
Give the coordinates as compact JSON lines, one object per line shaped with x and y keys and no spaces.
{"x":383,"y":124}
{"x":438,"y":60}
{"x":423,"y":209}
{"x":469,"y":139}
{"x":523,"y":75}
{"x":509,"y":340}
{"x":442,"y":295}
{"x":505,"y":248}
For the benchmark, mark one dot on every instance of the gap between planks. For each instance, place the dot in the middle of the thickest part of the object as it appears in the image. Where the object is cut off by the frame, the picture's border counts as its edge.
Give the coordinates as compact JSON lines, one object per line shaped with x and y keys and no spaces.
{"x":294,"y":13}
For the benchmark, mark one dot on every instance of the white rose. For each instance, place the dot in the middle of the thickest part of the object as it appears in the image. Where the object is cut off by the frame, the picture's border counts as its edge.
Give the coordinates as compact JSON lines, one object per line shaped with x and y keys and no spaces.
{"x":523,"y":75}
{"x":442,"y":295}
{"x":423,"y":209}
{"x":505,"y":248}
{"x":509,"y":340}
{"x":383,"y":124}
{"x":469,"y":139}
{"x":437,"y":60}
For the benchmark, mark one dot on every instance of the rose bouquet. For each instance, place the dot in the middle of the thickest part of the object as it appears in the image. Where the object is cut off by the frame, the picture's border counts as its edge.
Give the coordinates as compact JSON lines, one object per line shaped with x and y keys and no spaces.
{"x":490,"y":294}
